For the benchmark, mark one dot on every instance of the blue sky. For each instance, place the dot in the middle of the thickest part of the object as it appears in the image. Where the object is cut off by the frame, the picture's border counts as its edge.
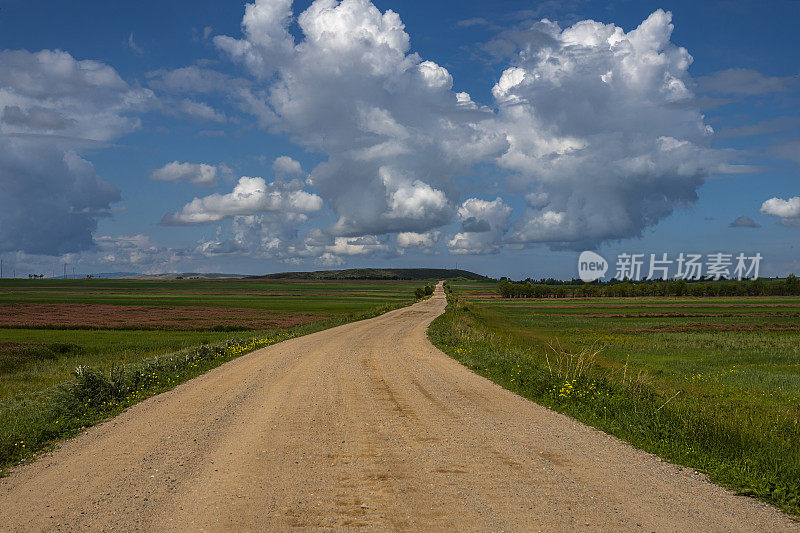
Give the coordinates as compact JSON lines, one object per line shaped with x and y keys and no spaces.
{"x":359,"y":147}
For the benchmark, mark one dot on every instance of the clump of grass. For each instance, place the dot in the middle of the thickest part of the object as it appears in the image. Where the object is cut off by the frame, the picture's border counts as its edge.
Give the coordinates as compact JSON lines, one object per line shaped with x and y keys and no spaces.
{"x":569,"y":365}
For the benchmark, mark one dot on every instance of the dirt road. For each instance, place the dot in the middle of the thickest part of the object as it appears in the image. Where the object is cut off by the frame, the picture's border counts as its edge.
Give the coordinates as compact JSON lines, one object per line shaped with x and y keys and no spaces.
{"x":366,"y":425}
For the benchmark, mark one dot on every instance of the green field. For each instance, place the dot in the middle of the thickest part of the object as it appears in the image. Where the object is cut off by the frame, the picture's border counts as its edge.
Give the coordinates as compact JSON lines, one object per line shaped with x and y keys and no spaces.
{"x":48,"y":327}
{"x":74,"y":352}
{"x":712,"y":383}
{"x":329,"y":297}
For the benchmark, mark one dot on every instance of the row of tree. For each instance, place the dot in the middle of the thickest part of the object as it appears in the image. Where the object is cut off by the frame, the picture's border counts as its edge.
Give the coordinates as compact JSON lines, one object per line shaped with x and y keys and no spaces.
{"x":790,"y":286}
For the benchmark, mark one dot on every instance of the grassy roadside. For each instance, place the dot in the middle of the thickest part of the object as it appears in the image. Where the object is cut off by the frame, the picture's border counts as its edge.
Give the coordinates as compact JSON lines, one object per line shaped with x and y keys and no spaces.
{"x":32,"y":423}
{"x":749,"y":447}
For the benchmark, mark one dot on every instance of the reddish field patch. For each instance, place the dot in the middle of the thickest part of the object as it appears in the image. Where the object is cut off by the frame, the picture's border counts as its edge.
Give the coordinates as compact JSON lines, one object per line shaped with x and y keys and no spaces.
{"x":145,"y":317}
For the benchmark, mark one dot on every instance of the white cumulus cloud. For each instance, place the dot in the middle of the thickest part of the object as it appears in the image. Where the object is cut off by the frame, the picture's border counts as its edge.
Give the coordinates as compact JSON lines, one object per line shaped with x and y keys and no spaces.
{"x":483,"y":223}
{"x":603,"y":128}
{"x":250,"y":196}
{"x":596,"y":127}
{"x":394,"y":132}
{"x":286,"y":166}
{"x":788,"y":211}
{"x":409,"y":239}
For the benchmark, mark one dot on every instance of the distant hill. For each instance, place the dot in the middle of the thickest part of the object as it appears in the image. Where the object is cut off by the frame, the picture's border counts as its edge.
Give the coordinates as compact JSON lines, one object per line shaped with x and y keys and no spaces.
{"x":114,"y":275}
{"x":378,"y":273}
{"x":185,"y":275}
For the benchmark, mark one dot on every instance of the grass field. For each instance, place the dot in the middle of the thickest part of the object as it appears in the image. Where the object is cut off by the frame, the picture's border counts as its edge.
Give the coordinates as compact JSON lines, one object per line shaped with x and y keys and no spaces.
{"x":48,"y":327}
{"x":309,"y":297}
{"x":131,"y":339}
{"x":712,"y":383}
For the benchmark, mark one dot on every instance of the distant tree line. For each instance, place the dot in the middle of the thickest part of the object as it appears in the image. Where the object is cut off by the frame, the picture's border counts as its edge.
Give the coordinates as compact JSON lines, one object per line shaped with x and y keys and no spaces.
{"x":790,"y":286}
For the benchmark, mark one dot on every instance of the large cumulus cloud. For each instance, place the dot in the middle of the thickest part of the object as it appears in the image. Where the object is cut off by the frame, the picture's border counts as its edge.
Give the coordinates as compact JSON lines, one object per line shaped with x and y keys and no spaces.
{"x":50,"y":197}
{"x":602,"y":124}
{"x":395,"y":133}
{"x":52,"y":108}
{"x":596,"y":127}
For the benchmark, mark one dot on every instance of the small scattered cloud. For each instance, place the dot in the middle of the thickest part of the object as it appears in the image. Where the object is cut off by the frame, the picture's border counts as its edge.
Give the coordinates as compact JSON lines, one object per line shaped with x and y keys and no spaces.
{"x":765,"y":127}
{"x":192,"y":80}
{"x":788,"y":150}
{"x":744,"y":222}
{"x":476,"y":22}
{"x":131,"y":44}
{"x":197,"y":173}
{"x":286,"y":166}
{"x":744,"y":82}
{"x":787,"y":211}
{"x":201,"y":111}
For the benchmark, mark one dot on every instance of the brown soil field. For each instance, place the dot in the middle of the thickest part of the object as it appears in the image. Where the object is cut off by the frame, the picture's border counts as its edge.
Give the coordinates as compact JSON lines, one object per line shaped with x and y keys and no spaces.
{"x":145,"y":317}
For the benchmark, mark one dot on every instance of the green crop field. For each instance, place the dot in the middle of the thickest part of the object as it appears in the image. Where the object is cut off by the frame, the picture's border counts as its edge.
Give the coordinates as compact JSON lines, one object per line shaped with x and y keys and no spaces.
{"x":272,"y":295}
{"x":48,"y":327}
{"x":73,"y":352}
{"x":711,"y":383}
